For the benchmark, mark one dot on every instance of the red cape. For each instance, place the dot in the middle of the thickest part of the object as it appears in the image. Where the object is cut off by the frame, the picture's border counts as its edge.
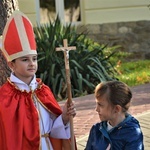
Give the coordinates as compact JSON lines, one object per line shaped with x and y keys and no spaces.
{"x":19,"y":121}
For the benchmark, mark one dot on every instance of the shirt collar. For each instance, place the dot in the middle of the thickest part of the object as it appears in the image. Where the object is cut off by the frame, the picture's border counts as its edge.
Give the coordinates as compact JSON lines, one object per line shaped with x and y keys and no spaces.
{"x":22,"y":85}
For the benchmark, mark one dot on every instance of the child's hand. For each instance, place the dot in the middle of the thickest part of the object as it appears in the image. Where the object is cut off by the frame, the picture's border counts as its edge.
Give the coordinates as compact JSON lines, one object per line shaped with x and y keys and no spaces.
{"x":68,"y":110}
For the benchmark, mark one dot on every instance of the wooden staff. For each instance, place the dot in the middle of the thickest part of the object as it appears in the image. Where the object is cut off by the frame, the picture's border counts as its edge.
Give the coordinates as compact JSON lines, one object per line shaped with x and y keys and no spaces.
{"x":66,"y":50}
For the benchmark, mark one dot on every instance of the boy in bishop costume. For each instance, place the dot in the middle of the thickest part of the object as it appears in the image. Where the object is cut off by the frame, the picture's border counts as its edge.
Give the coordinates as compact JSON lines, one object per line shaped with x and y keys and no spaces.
{"x":30,"y":117}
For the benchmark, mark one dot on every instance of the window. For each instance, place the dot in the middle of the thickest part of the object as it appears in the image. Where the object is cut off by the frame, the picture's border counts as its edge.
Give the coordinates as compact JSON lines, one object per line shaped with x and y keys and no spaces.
{"x":68,"y":11}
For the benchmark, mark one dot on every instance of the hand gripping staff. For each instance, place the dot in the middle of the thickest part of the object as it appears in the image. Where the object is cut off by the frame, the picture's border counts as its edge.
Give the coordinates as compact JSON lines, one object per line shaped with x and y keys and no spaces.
{"x":66,"y":50}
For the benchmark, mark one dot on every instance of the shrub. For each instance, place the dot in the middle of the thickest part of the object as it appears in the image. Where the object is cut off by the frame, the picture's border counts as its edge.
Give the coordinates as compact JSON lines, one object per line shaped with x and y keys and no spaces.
{"x":135,"y":72}
{"x":88,"y":64}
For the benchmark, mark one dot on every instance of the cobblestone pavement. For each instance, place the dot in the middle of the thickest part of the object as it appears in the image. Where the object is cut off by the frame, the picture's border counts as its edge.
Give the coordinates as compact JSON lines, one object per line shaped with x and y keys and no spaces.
{"x":87,"y":116}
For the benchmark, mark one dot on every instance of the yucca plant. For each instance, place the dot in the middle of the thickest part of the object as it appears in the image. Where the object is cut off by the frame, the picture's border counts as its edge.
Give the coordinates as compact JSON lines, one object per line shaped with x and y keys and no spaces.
{"x":88,"y":64}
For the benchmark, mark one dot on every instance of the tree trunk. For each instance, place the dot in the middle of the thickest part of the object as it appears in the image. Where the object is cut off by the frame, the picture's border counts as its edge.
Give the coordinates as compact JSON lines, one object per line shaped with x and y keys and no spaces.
{"x":6,"y":9}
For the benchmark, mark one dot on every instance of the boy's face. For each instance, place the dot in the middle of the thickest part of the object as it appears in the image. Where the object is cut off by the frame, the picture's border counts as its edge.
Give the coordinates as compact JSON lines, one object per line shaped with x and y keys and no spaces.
{"x":104,"y":109}
{"x":24,"y":67}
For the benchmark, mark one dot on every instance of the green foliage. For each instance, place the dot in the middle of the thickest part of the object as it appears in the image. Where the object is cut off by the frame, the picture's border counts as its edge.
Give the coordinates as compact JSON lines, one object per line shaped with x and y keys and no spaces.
{"x":134,"y":73}
{"x":88,"y":64}
{"x":131,"y":72}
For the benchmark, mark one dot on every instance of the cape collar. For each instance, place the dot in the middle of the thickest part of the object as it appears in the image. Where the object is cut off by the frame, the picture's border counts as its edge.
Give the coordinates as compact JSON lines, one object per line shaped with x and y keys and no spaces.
{"x":22,"y":85}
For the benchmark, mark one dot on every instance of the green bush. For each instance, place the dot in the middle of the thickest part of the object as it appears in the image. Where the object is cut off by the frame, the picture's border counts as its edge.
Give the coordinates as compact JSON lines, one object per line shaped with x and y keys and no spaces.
{"x":134,"y":72}
{"x":88,"y":64}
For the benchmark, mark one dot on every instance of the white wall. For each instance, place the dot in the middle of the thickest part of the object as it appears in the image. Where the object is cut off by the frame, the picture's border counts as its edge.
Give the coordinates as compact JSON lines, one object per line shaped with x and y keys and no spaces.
{"x":29,"y":8}
{"x":108,"y":11}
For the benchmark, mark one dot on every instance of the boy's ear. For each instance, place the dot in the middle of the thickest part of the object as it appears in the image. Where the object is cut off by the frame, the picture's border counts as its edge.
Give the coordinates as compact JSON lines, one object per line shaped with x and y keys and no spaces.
{"x":118,"y":108}
{"x":10,"y":65}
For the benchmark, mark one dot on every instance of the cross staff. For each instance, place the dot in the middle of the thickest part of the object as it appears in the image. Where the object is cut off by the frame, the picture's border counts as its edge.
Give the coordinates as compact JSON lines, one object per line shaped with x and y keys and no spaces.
{"x":66,"y":50}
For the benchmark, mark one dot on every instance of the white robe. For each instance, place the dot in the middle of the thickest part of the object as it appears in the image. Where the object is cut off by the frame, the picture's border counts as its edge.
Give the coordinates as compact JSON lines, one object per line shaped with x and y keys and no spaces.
{"x":51,"y":125}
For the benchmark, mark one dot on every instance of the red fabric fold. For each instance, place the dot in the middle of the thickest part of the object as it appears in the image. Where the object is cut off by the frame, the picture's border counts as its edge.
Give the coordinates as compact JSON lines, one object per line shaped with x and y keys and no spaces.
{"x":19,"y":121}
